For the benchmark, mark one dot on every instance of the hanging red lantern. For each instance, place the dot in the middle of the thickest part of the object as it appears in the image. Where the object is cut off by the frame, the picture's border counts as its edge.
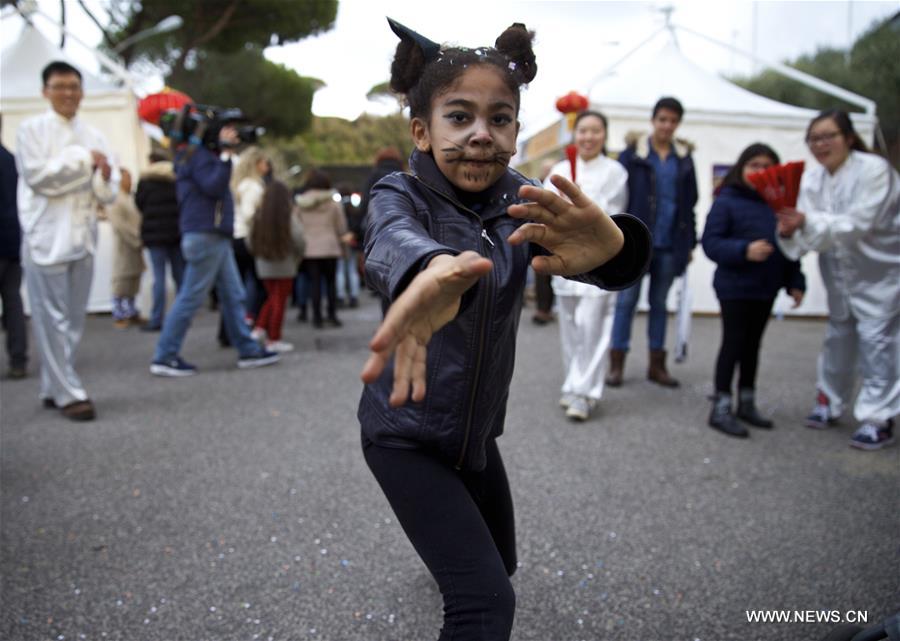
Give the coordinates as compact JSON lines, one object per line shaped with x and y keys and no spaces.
{"x":151,"y":107}
{"x":570,"y":105}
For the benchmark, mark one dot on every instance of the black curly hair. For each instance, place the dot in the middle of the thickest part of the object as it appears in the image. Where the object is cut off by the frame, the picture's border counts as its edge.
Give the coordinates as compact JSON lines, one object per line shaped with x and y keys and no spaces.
{"x":419,"y":80}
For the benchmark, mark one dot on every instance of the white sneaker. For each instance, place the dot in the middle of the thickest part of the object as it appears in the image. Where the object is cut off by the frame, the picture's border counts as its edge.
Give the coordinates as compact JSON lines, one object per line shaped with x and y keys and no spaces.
{"x":258,"y":334}
{"x":566,"y":400}
{"x":279,"y":346}
{"x":581,"y":408}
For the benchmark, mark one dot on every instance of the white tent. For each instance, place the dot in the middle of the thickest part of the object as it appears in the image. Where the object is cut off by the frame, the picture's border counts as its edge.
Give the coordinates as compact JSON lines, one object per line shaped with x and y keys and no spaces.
{"x":111,"y":109}
{"x":721,"y":120}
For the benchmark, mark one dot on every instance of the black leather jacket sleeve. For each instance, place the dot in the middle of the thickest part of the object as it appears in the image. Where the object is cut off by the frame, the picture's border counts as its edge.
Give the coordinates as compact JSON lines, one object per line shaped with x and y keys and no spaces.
{"x":398,"y":246}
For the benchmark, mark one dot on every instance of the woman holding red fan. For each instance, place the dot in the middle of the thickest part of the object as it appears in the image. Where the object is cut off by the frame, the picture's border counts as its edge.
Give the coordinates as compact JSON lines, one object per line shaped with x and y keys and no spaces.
{"x":740,"y":238}
{"x":849,"y":212}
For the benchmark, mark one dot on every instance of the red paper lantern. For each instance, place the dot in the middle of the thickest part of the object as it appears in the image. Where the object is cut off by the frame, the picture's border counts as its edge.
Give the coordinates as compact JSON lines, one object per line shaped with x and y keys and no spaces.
{"x":570,"y":105}
{"x":151,"y":107}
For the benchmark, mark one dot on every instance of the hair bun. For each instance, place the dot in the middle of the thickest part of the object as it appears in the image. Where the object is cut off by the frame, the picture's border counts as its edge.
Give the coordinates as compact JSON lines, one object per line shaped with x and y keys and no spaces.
{"x":407,"y":67}
{"x":515,"y":43}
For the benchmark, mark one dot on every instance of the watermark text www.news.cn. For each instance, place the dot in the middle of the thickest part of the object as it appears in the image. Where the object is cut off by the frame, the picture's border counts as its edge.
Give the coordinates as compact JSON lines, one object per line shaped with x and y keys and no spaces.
{"x":807,"y":616}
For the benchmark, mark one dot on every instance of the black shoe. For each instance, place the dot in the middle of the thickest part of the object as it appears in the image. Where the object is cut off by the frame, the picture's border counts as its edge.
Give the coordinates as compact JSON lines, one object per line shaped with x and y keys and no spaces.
{"x":722,"y":419}
{"x":354,"y":302}
{"x":748,"y":413}
{"x":301,"y":315}
{"x":151,"y":328}
{"x":16,"y":372}
{"x":334,"y":322}
{"x":317,"y":323}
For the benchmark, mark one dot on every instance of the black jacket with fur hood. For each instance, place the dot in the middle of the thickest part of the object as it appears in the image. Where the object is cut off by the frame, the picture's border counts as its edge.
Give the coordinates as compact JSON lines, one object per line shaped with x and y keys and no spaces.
{"x":414,"y":217}
{"x":642,"y":192}
{"x":158,"y":204}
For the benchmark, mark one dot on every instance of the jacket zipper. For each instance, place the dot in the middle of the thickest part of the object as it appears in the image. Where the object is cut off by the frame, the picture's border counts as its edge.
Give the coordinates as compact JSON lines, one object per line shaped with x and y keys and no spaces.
{"x":480,"y":356}
{"x":486,"y":240}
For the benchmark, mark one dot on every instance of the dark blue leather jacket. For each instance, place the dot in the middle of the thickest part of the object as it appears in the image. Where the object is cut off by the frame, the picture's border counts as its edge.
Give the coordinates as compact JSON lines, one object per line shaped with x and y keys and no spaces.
{"x":414,"y":217}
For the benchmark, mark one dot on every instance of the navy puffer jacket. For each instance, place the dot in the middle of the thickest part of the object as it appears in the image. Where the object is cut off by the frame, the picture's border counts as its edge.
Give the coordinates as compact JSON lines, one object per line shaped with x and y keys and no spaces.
{"x":739,"y":216}
{"x":414,"y":217}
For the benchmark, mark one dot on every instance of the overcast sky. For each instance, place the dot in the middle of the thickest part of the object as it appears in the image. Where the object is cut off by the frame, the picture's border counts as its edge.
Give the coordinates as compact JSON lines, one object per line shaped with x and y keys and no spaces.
{"x":575,"y":40}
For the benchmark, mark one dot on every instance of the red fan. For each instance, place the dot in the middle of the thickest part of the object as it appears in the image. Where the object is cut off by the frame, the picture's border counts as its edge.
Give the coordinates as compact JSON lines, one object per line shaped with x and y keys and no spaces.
{"x":779,"y":185}
{"x":572,"y":155}
{"x":151,"y":107}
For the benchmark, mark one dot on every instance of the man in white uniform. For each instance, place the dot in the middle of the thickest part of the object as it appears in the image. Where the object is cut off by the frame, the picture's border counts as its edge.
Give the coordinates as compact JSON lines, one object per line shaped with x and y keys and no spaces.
{"x":64,"y":176}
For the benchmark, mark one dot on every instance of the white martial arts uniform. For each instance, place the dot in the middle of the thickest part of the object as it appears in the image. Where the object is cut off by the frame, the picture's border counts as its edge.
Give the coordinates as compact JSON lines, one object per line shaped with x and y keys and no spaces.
{"x":853,"y":221}
{"x":586,"y":312}
{"x":59,"y":193}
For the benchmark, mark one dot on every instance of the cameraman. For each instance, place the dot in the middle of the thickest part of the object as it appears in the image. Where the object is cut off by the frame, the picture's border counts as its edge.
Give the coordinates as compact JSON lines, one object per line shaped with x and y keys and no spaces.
{"x":207,"y":222}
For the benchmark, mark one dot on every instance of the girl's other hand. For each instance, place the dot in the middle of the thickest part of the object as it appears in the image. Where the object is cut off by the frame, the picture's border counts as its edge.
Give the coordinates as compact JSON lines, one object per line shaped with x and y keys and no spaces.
{"x":797,"y":295}
{"x":759,"y":250}
{"x":577,"y":233}
{"x":429,"y":302}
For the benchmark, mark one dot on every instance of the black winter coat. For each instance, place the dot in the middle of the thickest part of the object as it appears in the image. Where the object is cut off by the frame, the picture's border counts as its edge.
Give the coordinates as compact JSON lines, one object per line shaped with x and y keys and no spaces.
{"x":414,"y":217}
{"x":158,"y":204}
{"x":10,"y":230}
{"x":739,"y":216}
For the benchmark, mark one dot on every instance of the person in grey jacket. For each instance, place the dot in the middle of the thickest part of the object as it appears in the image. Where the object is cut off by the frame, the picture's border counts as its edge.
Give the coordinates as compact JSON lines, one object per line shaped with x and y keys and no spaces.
{"x":275,"y":239}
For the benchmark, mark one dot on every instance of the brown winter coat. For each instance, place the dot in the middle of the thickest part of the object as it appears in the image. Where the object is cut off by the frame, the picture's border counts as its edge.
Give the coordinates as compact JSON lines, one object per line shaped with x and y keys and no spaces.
{"x":323,"y":223}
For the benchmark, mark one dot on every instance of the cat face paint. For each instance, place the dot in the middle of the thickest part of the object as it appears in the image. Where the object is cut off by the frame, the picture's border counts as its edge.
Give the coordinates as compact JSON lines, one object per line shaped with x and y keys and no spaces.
{"x":472,"y":130}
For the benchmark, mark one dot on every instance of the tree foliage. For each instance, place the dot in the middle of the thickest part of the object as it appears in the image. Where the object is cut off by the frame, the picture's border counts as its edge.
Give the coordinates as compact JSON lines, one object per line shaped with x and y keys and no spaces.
{"x":224,"y":26}
{"x":870,"y":69}
{"x":333,"y":141}
{"x":268,"y":93}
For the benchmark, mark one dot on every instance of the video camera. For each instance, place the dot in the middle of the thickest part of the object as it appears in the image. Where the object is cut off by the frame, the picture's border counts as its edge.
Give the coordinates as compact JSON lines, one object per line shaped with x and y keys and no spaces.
{"x":200,"y":125}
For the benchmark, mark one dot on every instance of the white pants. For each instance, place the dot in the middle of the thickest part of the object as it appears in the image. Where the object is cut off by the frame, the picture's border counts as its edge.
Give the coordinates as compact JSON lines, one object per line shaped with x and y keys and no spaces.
{"x":871,"y":347}
{"x":585,"y":330}
{"x":58,"y":295}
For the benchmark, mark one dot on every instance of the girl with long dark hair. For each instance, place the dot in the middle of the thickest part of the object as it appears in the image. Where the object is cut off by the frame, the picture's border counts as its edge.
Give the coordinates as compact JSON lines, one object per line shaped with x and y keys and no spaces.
{"x":740,"y":238}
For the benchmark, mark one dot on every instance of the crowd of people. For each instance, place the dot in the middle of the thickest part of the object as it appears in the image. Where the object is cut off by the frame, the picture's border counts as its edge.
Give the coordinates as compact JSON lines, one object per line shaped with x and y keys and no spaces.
{"x":448,"y":245}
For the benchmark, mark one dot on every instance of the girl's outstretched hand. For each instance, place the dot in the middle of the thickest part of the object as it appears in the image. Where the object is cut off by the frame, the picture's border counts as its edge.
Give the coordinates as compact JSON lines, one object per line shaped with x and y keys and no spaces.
{"x":578,"y":234}
{"x":429,"y":302}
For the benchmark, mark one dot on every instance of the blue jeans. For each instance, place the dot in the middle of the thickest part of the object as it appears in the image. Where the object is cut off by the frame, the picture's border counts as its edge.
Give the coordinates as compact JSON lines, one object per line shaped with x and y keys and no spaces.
{"x":662,"y":274}
{"x":159,"y":256}
{"x":347,"y":280}
{"x":210,"y":261}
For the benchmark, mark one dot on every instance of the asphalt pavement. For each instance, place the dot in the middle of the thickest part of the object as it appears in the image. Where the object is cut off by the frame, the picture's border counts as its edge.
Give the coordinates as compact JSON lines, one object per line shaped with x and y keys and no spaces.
{"x":236,"y":505}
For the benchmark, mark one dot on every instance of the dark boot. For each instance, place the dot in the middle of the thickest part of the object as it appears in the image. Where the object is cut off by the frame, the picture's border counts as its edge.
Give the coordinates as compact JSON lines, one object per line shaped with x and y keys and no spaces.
{"x":747,"y":410}
{"x":657,"y":372}
{"x":616,"y":367}
{"x":722,"y":419}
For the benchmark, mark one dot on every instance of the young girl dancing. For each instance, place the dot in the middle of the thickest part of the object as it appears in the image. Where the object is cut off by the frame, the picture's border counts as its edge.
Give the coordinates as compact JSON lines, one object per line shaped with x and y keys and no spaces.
{"x":276,"y":240}
{"x":447,"y":248}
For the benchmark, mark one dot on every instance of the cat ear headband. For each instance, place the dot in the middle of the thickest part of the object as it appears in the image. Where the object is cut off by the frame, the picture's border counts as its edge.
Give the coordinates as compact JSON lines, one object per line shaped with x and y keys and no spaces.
{"x":431,"y":50}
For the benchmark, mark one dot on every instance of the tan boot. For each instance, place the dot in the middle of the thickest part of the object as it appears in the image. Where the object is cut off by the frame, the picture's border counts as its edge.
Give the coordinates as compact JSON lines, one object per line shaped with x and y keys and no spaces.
{"x":616,"y":367}
{"x":657,"y":372}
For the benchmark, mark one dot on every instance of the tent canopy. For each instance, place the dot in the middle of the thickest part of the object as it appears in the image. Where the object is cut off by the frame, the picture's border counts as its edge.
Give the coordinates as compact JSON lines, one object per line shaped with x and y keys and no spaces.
{"x":641,"y":79}
{"x":23,"y":61}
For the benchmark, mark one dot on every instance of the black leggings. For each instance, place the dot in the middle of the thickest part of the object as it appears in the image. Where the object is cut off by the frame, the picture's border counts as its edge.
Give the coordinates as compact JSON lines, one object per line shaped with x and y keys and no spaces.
{"x":743,"y":324}
{"x":461,"y":524}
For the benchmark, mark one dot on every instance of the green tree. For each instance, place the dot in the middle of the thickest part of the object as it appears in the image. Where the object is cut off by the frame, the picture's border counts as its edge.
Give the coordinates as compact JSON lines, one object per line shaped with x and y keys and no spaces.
{"x":869,"y":69}
{"x":224,"y":26}
{"x":271,"y":95}
{"x":337,"y":141}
